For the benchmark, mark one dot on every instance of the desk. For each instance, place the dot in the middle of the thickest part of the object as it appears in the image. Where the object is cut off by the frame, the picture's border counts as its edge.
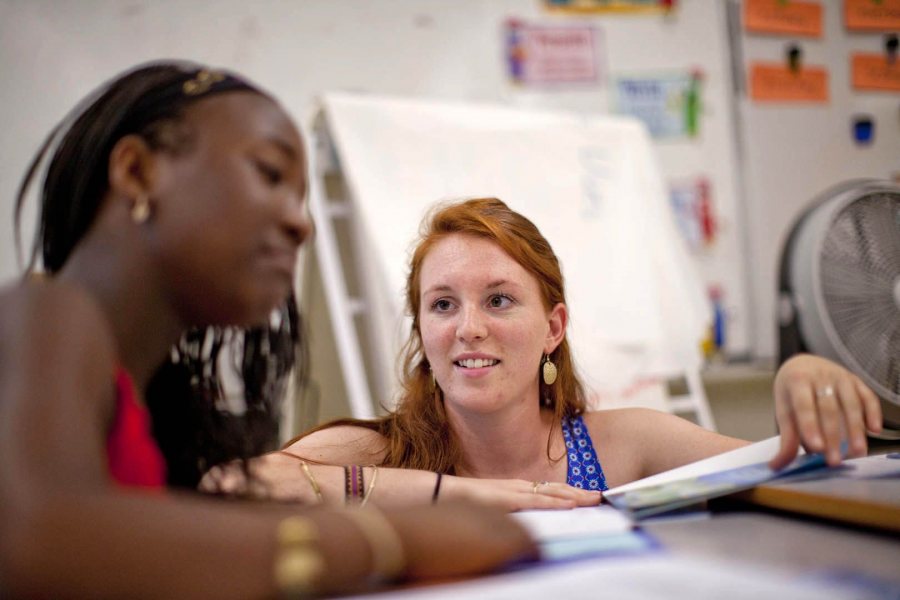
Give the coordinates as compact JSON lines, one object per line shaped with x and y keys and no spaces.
{"x":781,"y":541}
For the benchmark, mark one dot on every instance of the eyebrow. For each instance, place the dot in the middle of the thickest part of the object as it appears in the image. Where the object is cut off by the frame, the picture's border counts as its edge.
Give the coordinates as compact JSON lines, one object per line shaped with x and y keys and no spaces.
{"x":282,"y":145}
{"x":446,"y":288}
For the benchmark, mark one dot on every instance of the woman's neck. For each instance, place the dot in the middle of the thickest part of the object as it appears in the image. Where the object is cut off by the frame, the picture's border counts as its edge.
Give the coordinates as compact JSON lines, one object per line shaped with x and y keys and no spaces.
{"x":143,"y":323}
{"x":510,"y":445}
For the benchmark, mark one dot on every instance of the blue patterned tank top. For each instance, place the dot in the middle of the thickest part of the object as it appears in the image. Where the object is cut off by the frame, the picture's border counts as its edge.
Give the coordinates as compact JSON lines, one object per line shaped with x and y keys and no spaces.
{"x":584,"y":467}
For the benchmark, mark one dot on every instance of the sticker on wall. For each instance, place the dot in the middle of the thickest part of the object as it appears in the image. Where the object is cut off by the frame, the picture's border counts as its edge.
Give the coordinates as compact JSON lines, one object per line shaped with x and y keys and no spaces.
{"x":691,"y":202}
{"x":863,"y":130}
{"x":878,"y":72}
{"x":610,"y":6}
{"x":789,"y":82}
{"x":872,"y":15}
{"x":669,"y":105}
{"x":540,"y":55}
{"x":778,"y":17}
{"x":875,"y":72}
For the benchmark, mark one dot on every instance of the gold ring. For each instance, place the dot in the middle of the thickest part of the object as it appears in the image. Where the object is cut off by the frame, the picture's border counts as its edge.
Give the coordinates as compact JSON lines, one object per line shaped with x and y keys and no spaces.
{"x":534,"y":486}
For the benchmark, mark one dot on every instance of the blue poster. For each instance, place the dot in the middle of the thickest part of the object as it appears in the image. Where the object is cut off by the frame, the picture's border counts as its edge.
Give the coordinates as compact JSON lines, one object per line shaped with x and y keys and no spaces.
{"x":668,"y":105}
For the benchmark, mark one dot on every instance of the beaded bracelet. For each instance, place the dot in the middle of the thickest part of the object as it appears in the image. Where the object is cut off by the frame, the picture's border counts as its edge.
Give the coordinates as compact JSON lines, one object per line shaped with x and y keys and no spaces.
{"x":298,"y":561}
{"x":354,"y":484}
{"x":388,"y":556}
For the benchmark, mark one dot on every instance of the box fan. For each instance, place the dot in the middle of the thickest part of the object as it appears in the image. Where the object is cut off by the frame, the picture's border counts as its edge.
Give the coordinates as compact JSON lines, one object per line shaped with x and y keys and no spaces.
{"x":839,"y":287}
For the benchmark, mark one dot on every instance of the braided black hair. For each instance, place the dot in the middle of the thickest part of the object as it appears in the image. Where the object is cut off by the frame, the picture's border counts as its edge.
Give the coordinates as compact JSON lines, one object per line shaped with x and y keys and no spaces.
{"x":192,"y":422}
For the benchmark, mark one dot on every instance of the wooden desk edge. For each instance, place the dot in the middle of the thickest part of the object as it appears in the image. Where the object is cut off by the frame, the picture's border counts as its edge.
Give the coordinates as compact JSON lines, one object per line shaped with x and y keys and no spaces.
{"x":871,"y":514}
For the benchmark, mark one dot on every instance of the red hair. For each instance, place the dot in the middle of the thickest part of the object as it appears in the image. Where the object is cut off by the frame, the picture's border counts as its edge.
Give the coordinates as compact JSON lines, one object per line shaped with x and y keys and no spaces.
{"x":417,"y":431}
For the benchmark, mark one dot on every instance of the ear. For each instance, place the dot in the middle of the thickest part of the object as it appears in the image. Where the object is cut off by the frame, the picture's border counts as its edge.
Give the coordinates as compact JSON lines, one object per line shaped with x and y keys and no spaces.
{"x":132,"y":168}
{"x":558,"y":319}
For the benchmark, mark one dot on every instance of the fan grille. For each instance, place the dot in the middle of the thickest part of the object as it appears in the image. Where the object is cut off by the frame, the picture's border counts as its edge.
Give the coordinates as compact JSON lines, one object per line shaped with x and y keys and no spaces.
{"x":860,"y":272}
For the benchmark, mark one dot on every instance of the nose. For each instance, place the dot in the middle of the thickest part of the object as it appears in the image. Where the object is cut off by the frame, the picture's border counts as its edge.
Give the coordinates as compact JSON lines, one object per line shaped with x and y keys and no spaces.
{"x":296,"y":221}
{"x":471,"y":325}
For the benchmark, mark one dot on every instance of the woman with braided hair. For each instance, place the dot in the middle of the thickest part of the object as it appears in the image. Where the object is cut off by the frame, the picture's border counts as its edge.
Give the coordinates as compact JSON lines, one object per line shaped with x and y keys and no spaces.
{"x":170,"y":217}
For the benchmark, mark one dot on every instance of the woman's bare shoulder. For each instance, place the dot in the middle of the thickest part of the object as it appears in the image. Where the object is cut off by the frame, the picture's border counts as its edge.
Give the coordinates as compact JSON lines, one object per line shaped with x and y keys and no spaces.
{"x":341,"y":445}
{"x":51,"y":330}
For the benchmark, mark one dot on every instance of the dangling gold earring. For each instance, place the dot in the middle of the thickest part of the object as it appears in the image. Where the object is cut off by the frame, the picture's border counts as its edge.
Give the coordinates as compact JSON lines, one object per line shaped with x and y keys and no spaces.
{"x":140,"y":210}
{"x":548,"y":370}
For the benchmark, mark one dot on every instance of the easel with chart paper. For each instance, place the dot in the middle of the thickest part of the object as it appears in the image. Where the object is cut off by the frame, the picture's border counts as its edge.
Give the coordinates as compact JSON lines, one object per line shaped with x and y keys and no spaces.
{"x":590,"y":184}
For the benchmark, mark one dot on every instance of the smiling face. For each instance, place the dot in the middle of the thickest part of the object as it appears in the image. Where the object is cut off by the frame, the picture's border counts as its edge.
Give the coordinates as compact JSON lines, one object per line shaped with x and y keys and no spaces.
{"x":229,"y":214}
{"x":484,"y":325}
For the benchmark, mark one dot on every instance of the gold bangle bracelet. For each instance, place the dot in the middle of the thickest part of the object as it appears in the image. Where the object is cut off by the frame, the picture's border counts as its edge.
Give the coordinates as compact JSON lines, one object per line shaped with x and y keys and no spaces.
{"x":388,"y":557}
{"x":312,"y":481}
{"x":371,"y":488}
{"x":298,"y":562}
{"x":309,"y":476}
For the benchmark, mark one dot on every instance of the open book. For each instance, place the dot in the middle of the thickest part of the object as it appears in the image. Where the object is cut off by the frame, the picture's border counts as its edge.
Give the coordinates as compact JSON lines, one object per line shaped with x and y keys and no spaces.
{"x":727,"y":473}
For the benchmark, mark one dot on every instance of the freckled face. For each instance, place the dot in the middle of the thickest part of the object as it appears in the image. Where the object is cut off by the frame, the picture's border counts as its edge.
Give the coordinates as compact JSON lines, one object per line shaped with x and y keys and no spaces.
{"x":231,"y":214}
{"x":483,"y":324}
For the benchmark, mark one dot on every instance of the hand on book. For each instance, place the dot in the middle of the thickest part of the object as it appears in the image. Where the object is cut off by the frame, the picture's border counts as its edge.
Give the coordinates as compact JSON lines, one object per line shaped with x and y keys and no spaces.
{"x":820,"y":404}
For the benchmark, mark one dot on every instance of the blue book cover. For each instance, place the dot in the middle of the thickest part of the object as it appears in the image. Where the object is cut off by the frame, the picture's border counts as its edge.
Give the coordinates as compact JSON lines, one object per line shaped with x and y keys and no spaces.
{"x":664,"y":497}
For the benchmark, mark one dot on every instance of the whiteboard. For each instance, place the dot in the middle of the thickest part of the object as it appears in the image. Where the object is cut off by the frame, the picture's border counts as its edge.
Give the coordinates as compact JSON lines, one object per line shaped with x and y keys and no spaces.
{"x":591,"y":185}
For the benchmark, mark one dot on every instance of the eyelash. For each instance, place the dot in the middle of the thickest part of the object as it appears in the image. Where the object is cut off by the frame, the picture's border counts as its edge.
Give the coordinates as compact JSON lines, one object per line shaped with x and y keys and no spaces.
{"x":271,"y":174}
{"x":434,"y":305}
{"x":501,"y":295}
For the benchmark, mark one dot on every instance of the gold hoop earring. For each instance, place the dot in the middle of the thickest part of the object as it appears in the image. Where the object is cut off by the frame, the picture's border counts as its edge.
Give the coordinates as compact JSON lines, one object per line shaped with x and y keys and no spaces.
{"x":140,"y":210}
{"x":548,"y":370}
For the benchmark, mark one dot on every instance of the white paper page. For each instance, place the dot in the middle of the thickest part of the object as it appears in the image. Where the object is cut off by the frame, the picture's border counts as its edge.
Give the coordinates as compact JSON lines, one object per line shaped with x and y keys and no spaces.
{"x":587,"y":521}
{"x":754,"y":453}
{"x":638,"y":578}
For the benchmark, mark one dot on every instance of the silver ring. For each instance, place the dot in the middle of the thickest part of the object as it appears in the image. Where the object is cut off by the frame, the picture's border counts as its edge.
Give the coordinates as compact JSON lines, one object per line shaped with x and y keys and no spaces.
{"x":825,"y":391}
{"x":536,"y":484}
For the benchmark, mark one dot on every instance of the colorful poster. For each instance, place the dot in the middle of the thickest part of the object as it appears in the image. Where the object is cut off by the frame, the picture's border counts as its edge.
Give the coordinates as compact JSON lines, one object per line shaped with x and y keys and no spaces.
{"x":872,"y":15}
{"x":692,"y":206}
{"x":783,"y":18}
{"x":669,"y":105}
{"x":776,"y":82}
{"x":557,"y":54}
{"x":875,"y":72}
{"x":609,"y":6}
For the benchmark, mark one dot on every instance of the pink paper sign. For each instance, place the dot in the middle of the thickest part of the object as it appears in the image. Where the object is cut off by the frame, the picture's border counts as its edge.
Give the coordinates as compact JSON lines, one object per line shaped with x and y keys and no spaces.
{"x":551,"y":54}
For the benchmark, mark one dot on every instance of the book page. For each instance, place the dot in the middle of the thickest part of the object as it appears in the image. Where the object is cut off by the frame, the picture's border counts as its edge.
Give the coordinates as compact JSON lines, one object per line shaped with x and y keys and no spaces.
{"x":748,"y":455}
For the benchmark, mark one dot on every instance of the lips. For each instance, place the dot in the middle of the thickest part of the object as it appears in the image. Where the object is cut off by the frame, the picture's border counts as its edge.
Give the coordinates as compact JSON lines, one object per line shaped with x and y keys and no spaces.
{"x":476,"y":363}
{"x":282,"y":260}
{"x":474,"y":360}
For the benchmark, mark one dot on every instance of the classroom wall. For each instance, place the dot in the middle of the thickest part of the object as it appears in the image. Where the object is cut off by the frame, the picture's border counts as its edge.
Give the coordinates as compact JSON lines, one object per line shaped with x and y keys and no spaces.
{"x":52,"y":53}
{"x":431,"y":48}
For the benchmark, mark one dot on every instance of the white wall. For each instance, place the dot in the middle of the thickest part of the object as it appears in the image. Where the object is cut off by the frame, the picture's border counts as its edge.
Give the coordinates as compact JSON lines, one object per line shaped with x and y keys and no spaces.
{"x":52,"y":53}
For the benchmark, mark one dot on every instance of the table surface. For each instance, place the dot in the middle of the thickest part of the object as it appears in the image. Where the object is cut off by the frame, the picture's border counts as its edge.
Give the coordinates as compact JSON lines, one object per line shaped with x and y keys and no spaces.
{"x":783,"y":541}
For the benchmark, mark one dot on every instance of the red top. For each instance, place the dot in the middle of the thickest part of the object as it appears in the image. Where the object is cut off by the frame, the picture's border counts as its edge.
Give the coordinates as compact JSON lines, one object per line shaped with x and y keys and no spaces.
{"x":134,"y":458}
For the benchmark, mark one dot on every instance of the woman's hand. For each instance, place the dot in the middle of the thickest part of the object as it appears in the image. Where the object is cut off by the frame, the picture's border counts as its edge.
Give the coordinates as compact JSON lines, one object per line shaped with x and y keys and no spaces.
{"x":517,"y":494}
{"x":819,"y":403}
{"x":274,"y":476}
{"x":459,"y":538}
{"x":279,"y":476}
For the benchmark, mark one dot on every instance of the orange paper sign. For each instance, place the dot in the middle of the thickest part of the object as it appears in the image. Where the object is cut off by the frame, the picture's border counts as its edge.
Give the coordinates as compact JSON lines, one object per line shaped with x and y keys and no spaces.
{"x":780,"y":17}
{"x":872,"y":15}
{"x":776,"y":82}
{"x":875,"y":72}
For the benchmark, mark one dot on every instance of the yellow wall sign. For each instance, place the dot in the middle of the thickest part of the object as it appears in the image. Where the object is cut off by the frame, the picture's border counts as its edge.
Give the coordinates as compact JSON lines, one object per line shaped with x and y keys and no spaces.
{"x":872,"y":15}
{"x":783,"y":18}
{"x":875,"y":72}
{"x":775,"y":82}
